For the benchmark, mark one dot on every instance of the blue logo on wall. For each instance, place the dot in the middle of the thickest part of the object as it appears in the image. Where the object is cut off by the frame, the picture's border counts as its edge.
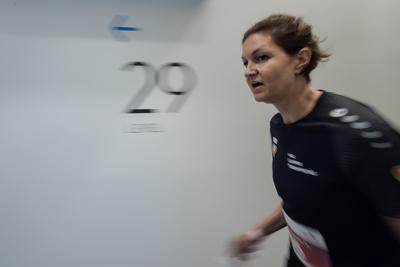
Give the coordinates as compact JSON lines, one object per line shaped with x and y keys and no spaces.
{"x":118,"y":29}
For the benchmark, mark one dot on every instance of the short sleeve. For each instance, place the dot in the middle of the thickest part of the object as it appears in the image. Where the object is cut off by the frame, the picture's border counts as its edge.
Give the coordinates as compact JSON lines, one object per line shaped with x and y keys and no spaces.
{"x":370,"y":160}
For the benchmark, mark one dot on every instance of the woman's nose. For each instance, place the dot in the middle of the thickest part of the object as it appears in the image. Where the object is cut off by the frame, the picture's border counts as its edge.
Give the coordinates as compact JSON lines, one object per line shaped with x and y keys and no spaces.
{"x":250,"y":69}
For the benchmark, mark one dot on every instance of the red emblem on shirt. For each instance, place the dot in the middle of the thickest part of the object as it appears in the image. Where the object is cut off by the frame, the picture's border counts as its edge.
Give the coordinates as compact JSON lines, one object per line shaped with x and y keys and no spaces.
{"x":274,"y":149}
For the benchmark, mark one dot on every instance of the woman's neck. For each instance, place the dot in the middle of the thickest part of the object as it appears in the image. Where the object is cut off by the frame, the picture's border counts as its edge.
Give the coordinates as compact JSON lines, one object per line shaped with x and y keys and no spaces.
{"x":299,"y":102}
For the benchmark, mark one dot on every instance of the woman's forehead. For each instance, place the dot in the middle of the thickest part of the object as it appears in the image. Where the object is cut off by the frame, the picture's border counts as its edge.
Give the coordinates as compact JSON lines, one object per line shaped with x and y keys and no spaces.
{"x":258,"y":41}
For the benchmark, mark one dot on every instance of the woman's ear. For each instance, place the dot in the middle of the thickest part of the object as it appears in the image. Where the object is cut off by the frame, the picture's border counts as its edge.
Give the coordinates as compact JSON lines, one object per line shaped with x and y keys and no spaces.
{"x":303,"y":57}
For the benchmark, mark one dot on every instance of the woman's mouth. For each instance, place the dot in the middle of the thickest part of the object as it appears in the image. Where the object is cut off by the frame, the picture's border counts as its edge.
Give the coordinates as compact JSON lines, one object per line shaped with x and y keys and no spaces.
{"x":255,"y":85}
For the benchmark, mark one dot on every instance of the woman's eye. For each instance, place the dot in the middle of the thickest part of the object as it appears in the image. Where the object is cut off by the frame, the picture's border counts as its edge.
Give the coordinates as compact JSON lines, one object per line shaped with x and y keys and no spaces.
{"x":262,"y":58}
{"x":245,"y":63}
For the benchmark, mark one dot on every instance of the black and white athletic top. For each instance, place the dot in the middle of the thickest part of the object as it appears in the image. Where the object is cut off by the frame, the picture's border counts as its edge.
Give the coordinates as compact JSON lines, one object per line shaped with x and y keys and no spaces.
{"x":337,"y":171}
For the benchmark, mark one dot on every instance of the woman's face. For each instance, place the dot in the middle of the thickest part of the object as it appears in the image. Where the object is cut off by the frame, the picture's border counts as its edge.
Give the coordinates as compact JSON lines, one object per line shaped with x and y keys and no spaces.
{"x":270,"y":72}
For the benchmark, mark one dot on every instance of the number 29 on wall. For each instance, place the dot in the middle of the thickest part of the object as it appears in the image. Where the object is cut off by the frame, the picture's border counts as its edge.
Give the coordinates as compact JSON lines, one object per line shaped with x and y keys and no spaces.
{"x":159,"y":78}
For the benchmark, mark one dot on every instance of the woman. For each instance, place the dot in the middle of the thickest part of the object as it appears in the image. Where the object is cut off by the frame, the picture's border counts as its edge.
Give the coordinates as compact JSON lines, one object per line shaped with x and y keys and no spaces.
{"x":336,"y":163}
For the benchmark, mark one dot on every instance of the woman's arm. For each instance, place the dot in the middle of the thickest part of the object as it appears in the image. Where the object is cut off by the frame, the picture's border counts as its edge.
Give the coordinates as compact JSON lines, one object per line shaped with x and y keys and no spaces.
{"x":247,"y":242}
{"x":272,"y":222}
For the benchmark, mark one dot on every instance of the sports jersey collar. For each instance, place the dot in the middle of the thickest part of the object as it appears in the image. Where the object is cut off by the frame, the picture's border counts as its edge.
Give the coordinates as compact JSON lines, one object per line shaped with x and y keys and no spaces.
{"x":277,"y":118}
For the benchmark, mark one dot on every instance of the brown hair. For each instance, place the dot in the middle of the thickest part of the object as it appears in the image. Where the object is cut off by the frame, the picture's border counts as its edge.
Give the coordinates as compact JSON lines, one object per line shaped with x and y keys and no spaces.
{"x":291,"y":34}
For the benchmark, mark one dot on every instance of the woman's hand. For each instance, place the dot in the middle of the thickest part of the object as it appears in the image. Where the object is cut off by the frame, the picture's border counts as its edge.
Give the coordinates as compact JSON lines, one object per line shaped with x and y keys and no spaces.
{"x":244,"y":244}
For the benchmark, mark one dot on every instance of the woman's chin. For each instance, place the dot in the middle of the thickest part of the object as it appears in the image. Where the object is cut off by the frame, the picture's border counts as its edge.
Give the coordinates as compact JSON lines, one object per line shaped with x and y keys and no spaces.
{"x":263,"y":99}
{"x":260,"y":97}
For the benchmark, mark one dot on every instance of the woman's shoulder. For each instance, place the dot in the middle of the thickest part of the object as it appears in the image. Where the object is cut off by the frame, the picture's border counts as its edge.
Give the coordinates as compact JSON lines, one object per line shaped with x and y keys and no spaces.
{"x":357,"y":124}
{"x":354,"y":115}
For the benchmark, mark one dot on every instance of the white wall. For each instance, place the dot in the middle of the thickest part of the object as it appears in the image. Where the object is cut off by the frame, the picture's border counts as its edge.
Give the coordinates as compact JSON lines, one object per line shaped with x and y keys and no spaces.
{"x":79,"y":187}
